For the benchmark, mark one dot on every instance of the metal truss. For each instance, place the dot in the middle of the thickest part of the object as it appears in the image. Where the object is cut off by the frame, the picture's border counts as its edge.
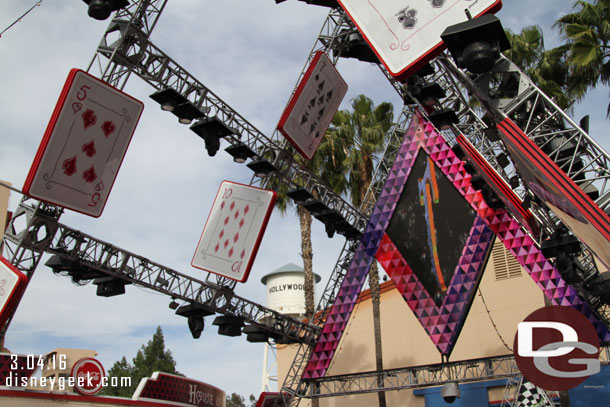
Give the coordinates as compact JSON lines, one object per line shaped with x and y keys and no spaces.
{"x":134,"y":52}
{"x":413,"y":377}
{"x":28,"y":235}
{"x":473,"y":370}
{"x":95,"y":258}
{"x":133,"y":26}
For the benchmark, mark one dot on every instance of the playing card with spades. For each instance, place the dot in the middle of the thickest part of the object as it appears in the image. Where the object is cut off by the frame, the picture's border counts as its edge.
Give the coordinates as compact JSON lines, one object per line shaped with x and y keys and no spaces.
{"x":313,"y":105}
{"x":84,"y":145}
{"x":233,"y":231}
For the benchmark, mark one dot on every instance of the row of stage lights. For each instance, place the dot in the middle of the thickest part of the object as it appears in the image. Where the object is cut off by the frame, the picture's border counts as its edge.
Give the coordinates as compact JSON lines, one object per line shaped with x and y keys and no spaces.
{"x":109,"y":286}
{"x":212,"y":130}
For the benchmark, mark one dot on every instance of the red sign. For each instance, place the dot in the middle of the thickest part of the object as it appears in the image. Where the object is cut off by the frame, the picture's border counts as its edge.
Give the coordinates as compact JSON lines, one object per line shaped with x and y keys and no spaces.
{"x":168,"y":387}
{"x":88,"y":376}
{"x":557,"y":348}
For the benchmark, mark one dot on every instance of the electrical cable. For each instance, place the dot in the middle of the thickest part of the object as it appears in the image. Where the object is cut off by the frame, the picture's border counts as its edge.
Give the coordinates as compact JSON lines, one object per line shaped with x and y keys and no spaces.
{"x":23,"y":15}
{"x":492,"y":321}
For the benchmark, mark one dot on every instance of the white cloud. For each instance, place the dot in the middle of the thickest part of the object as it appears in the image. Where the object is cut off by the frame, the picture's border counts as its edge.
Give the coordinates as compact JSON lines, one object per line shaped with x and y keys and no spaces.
{"x":250,"y":54}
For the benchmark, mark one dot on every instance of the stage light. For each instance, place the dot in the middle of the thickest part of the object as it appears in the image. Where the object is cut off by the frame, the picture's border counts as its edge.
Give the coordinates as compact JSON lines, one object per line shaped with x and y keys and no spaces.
{"x":174,"y":304}
{"x":196,"y":325}
{"x":443,"y":119}
{"x":600,"y":287}
{"x":565,"y":244}
{"x":109,"y":286}
{"x":476,"y":44}
{"x":514,"y":182}
{"x":429,"y":94}
{"x":357,"y":48}
{"x":73,"y":268}
{"x":348,"y":231}
{"x":195,"y":312}
{"x":211,"y":130}
{"x":502,"y":160}
{"x":330,"y":219}
{"x":299,"y":195}
{"x":229,"y":325}
{"x":323,"y":3}
{"x":258,"y":334}
{"x":240,"y":152}
{"x":101,"y":9}
{"x":187,"y":112}
{"x":261,"y":167}
{"x":315,"y":207}
{"x":255,"y":334}
{"x":491,"y":133}
{"x":168,"y":98}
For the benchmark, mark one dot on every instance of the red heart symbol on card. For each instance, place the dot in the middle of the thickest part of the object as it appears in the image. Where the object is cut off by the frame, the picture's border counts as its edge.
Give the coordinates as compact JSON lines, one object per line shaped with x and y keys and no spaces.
{"x":89,"y":118}
{"x":108,"y":128}
{"x":89,"y":149}
{"x":76,"y":106}
{"x":69,"y":166}
{"x":90,"y":175}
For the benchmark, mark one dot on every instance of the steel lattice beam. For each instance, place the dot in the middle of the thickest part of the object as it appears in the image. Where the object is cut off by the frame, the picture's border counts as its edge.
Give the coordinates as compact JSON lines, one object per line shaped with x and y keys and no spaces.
{"x":43,"y":233}
{"x":490,"y":368}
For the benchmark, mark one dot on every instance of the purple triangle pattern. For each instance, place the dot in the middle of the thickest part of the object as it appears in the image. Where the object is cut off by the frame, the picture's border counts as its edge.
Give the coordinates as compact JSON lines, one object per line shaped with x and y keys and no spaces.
{"x":443,"y":324}
{"x":353,"y":281}
{"x":421,"y":134}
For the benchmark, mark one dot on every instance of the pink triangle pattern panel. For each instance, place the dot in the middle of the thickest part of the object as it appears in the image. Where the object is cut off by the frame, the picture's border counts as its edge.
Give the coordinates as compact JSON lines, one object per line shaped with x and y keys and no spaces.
{"x":353,"y":281}
{"x":513,"y":236}
{"x":443,"y":323}
{"x":422,"y":134}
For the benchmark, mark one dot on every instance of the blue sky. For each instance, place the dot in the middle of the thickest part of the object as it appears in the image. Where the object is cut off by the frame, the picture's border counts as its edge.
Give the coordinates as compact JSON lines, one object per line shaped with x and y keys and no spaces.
{"x":250,"y":53}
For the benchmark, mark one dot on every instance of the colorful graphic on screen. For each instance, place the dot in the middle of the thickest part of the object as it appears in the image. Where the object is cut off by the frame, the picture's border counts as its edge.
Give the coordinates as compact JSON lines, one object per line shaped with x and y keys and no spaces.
{"x":430,"y":226}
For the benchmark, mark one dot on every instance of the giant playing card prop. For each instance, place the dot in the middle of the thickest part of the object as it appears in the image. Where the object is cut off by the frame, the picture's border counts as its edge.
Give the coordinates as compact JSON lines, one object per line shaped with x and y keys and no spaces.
{"x":407,"y":34}
{"x":84,"y":145}
{"x":313,"y":105}
{"x":12,"y":284}
{"x":234,"y":230}
{"x":439,"y":306}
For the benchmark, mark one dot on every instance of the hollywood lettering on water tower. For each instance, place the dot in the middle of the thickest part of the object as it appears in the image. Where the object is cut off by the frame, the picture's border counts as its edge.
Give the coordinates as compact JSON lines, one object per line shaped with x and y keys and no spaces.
{"x":285,"y":287}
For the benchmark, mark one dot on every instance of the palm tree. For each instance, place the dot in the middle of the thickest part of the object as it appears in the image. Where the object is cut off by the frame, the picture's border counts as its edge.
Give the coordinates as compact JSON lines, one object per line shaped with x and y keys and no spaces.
{"x":282,"y":204}
{"x":587,"y":36}
{"x":356,"y":138}
{"x":547,"y":68}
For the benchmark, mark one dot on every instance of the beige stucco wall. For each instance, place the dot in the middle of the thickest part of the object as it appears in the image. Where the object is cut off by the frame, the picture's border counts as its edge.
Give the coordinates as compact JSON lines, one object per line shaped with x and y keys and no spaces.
{"x":405,"y":343}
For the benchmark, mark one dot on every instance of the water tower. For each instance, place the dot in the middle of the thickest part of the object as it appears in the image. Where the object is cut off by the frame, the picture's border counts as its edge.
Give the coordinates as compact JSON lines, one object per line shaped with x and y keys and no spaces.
{"x":285,"y":290}
{"x":286,"y":295}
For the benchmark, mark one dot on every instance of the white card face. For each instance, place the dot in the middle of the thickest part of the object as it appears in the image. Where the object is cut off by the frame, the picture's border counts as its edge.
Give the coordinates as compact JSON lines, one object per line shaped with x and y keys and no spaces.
{"x":313,"y":105}
{"x":84,"y":145}
{"x":8,"y":282}
{"x":233,"y":231}
{"x":405,"y":34}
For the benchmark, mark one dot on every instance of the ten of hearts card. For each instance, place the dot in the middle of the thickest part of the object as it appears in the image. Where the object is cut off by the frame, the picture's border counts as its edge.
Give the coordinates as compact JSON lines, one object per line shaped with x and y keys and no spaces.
{"x":234,"y":230}
{"x":84,"y":145}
